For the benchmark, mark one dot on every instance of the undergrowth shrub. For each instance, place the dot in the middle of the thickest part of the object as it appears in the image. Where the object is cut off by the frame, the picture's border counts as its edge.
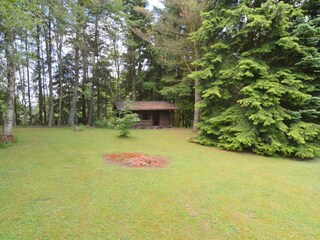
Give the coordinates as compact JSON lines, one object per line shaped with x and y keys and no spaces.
{"x":126,"y":120}
{"x":124,"y":124}
{"x":101,"y":123}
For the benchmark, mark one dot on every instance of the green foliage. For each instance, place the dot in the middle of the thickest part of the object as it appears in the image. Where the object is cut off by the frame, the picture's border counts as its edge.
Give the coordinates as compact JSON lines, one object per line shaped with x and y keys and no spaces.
{"x":126,"y":120}
{"x":4,"y":144}
{"x":175,"y":52}
{"x":102,"y":123}
{"x":123,"y":124}
{"x":260,"y":79}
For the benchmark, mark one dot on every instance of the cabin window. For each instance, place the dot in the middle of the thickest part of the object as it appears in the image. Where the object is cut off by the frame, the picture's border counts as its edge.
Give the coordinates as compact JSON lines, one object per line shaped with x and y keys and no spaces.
{"x":145,"y":116}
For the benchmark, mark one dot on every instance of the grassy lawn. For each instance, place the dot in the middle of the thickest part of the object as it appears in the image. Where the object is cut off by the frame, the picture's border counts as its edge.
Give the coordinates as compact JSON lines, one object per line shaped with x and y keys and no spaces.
{"x":54,"y":185}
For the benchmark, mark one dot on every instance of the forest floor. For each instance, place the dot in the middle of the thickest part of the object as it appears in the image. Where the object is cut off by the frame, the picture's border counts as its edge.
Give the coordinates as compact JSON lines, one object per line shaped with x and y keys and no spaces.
{"x":55,"y":184}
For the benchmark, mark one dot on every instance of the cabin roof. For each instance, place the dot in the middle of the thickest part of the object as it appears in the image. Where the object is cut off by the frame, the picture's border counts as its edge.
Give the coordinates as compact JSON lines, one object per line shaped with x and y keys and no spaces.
{"x":147,"y":105}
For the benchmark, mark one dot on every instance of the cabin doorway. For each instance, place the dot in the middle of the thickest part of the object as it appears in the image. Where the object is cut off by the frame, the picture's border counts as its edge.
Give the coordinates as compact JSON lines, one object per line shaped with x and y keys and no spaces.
{"x":156,"y":119}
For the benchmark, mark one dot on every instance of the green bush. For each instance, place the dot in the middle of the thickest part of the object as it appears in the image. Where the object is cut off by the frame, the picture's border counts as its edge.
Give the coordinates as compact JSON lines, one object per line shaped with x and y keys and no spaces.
{"x":101,"y":123}
{"x":123,"y":124}
{"x":126,"y":119}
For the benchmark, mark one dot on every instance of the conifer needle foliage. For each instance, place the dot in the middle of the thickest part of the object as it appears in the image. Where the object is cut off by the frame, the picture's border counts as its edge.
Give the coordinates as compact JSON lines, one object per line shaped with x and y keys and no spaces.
{"x":259,"y":74}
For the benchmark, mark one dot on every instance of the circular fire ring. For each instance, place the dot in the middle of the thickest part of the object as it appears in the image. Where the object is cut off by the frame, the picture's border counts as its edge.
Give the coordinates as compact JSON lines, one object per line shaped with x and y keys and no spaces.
{"x":137,"y":160}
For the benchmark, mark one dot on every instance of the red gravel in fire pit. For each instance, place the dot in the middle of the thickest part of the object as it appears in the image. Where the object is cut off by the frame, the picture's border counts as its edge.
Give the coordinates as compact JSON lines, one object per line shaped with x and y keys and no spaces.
{"x":135,"y":160}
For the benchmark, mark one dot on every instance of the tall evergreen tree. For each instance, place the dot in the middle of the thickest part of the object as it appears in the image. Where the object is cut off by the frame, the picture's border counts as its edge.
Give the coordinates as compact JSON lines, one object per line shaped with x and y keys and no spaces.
{"x":255,"y":83}
{"x":137,"y":23}
{"x":176,"y":52}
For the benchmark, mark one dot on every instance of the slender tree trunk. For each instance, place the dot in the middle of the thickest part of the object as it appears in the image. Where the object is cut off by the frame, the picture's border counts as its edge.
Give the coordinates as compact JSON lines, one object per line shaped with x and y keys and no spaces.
{"x":197,"y":96}
{"x":91,"y":101}
{"x":45,"y":88}
{"x":73,"y":108}
{"x":96,"y":53}
{"x":15,"y":115}
{"x":133,"y":72}
{"x":117,"y":64}
{"x":90,"y":114}
{"x":94,"y":71}
{"x":138,"y":76}
{"x":84,"y":82}
{"x":197,"y":99}
{"x":25,"y":111}
{"x":48,"y":53}
{"x":23,"y":93}
{"x":40,"y":95}
{"x":98,"y":100}
{"x":59,"y":53}
{"x":28,"y":81}
{"x":9,"y":118}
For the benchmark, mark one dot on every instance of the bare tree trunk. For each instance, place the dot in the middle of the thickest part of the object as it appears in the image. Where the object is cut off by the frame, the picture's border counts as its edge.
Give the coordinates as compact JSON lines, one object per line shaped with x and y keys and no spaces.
{"x":15,"y":115}
{"x":84,"y":82}
{"x":94,"y":71}
{"x":73,"y":108}
{"x":90,"y":114}
{"x":117,"y":65}
{"x":98,"y":100}
{"x":9,"y":118}
{"x":197,"y":99}
{"x":59,"y":40}
{"x":45,"y":87}
{"x":40,"y":95}
{"x":48,"y":53}
{"x":91,"y":101}
{"x":96,"y":78}
{"x":25,"y":111}
{"x":28,"y":81}
{"x":23,"y":93}
{"x":132,"y":73}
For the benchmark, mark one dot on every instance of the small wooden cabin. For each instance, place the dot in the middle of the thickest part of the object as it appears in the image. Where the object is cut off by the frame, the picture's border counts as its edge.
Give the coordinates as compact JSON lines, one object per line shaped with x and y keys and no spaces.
{"x":152,"y":114}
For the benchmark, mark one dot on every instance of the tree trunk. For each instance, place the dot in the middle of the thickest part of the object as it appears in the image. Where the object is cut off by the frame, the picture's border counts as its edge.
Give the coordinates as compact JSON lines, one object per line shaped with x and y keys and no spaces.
{"x":23,"y":93}
{"x":40,"y":95}
{"x":98,"y":100}
{"x":90,"y":114}
{"x":73,"y":108}
{"x":48,"y":53}
{"x":84,"y":82}
{"x":95,"y":77}
{"x":91,"y":101}
{"x":133,"y":74}
{"x":94,"y":71}
{"x":25,"y":111}
{"x":15,"y":115}
{"x":197,"y":99}
{"x":59,"y":53}
{"x":9,"y":118}
{"x":28,"y":81}
{"x":45,"y":87}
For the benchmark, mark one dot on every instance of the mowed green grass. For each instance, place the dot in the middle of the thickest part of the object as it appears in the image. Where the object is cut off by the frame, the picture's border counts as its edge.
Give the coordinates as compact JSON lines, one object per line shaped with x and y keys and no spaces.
{"x":55,"y":185}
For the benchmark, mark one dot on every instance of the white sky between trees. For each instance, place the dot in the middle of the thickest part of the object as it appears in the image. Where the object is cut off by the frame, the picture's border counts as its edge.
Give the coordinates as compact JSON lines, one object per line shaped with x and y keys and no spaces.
{"x":156,"y":3}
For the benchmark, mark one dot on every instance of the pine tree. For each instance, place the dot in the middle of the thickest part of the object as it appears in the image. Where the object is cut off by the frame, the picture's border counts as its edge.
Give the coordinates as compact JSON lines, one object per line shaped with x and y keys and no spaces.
{"x":258,"y":75}
{"x":176,"y":52}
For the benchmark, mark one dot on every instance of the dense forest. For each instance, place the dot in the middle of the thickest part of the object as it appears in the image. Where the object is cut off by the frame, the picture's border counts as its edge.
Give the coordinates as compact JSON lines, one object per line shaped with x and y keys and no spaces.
{"x":245,"y":74}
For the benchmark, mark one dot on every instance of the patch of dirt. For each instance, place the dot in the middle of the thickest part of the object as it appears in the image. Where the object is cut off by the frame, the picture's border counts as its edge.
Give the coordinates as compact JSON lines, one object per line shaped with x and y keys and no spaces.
{"x":138,"y":160}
